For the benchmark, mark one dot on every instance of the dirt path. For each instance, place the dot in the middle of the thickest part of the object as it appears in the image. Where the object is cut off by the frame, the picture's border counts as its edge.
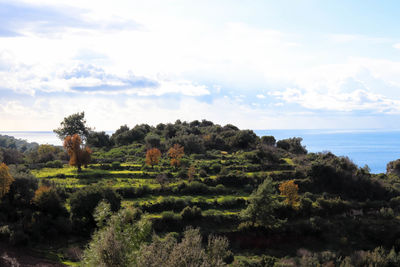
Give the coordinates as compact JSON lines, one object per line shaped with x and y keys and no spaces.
{"x":20,"y":257}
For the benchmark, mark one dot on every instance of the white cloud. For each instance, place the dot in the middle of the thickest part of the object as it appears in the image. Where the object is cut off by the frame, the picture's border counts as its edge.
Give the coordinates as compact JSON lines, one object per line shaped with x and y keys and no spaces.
{"x":397,"y":46}
{"x":260,"y":96}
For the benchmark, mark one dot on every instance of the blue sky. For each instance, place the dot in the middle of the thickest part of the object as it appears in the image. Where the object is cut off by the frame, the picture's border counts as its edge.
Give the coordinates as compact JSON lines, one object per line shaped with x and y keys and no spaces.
{"x":256,"y":64}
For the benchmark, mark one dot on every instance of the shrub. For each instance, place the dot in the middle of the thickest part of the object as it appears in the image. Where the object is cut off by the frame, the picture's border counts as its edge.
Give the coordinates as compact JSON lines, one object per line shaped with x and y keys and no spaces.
{"x":191,"y":213}
{"x":48,"y":201}
{"x":116,"y":165}
{"x":215,"y":168}
{"x":54,"y":164}
{"x":170,"y":216}
{"x":196,"y":188}
{"x":117,"y":243}
{"x":83,"y":202}
{"x":189,"y":252}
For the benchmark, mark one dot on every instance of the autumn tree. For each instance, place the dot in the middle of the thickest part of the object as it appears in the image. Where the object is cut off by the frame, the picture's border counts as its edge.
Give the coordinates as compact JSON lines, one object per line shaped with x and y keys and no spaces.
{"x":290,"y":191}
{"x":79,"y":154}
{"x":5,"y":179}
{"x":152,"y":156}
{"x":176,"y":153}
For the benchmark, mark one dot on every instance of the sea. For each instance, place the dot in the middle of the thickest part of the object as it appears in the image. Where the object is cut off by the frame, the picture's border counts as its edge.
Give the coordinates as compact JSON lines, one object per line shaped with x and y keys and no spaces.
{"x":371,"y":147}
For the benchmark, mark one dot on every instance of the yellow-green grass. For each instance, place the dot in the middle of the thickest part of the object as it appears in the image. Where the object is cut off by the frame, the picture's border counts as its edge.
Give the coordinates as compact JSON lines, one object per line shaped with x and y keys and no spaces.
{"x":69,"y":171}
{"x":114,"y":182}
{"x":289,"y":161}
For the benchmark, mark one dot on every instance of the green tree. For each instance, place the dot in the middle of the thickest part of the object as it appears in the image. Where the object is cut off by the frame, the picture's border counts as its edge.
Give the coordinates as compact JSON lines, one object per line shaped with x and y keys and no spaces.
{"x":73,"y":124}
{"x":262,"y":205}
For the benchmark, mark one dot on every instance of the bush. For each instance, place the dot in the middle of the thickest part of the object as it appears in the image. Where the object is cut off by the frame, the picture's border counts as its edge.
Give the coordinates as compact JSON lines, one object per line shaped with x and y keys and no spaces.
{"x":170,"y":216}
{"x":116,"y":165}
{"x":191,"y":213}
{"x":84,"y":201}
{"x":54,"y":164}
{"x":189,"y":252}
{"x":196,"y":188}
{"x":215,"y":168}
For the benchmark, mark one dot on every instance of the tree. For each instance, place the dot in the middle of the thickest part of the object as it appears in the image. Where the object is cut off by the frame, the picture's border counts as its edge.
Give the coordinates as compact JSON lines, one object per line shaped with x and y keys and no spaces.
{"x":292,"y":145}
{"x":152,"y":156}
{"x":176,"y":153}
{"x":262,"y":205}
{"x":268,"y":140}
{"x":5,"y":179}
{"x":290,"y":190}
{"x":46,"y":153}
{"x":191,"y":172}
{"x":98,"y":139}
{"x":48,"y":201}
{"x":73,"y":124}
{"x":79,"y":155}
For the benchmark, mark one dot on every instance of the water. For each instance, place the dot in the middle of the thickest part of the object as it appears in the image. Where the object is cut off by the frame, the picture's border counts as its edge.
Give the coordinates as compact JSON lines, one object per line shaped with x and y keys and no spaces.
{"x":38,"y":137}
{"x":372,"y":147}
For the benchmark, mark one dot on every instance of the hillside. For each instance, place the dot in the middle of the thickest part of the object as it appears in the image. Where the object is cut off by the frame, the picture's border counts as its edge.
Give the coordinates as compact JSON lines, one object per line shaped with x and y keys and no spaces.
{"x":338,"y":210}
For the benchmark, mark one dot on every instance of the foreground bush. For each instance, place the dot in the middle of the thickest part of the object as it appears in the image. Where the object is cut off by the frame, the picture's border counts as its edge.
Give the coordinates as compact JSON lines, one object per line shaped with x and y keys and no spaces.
{"x":169,"y":252}
{"x":84,"y":201}
{"x":118,"y":242}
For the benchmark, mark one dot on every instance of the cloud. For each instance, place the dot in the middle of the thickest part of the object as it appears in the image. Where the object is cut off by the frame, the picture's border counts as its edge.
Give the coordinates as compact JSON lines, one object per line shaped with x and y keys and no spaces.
{"x":397,"y":46}
{"x":18,"y":19}
{"x":89,"y":79}
{"x":358,"y":100}
{"x":360,"y":84}
{"x":260,"y":96}
{"x":347,"y":38}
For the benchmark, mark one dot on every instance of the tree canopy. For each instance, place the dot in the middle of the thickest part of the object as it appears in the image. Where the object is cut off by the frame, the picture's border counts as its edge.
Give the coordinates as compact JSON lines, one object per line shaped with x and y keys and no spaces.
{"x":73,"y":124}
{"x":78,"y":155}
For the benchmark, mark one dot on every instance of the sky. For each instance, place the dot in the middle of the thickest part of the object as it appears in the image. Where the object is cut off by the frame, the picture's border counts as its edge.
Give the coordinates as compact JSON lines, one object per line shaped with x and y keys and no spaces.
{"x":299,"y":64}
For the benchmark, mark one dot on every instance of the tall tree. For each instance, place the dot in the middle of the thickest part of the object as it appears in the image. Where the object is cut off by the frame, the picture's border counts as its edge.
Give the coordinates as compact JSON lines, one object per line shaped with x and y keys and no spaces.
{"x":5,"y":179}
{"x":73,"y":124}
{"x":152,"y":156}
{"x":176,"y":153}
{"x":79,"y":155}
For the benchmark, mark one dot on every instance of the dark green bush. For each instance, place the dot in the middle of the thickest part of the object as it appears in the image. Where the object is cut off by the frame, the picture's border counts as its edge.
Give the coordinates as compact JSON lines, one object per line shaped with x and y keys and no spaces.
{"x":83,"y":202}
{"x":191,"y":213}
{"x":54,"y":164}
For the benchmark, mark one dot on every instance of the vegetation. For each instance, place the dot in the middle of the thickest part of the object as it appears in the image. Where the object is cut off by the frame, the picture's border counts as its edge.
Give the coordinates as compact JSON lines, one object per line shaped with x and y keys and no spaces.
{"x":195,"y":194}
{"x":5,"y":179}
{"x":78,"y":155}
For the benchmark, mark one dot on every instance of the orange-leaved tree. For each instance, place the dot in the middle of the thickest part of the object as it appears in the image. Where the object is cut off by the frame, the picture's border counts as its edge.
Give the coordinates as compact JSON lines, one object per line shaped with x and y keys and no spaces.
{"x":5,"y":179}
{"x":290,"y":190}
{"x":152,"y":156}
{"x":176,"y":153}
{"x":78,"y":154}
